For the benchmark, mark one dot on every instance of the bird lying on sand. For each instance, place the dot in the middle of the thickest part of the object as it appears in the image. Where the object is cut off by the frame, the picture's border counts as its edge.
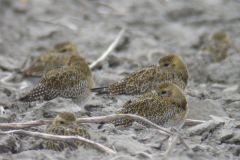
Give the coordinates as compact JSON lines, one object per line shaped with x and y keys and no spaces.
{"x":65,"y":124}
{"x":217,"y":48}
{"x":71,"y":81}
{"x":169,"y":68}
{"x":53,"y":58}
{"x":165,"y":106}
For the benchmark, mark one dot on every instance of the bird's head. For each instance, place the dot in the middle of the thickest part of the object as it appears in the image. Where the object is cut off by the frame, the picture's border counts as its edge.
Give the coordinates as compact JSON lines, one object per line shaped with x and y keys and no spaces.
{"x":76,"y":60}
{"x":220,"y":37}
{"x":64,"y":47}
{"x":64,"y":118}
{"x":168,"y":89}
{"x":171,"y":62}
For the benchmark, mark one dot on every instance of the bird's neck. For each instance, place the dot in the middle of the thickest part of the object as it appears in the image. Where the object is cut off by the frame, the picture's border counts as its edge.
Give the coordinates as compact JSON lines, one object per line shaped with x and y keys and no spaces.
{"x":83,"y":67}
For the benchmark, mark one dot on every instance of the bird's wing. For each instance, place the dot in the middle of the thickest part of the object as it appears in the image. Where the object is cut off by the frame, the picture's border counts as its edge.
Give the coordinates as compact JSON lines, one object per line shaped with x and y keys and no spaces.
{"x":46,"y":62}
{"x":65,"y":82}
{"x":140,"y":105}
{"x":135,"y":84}
{"x":61,"y":78}
{"x":134,"y":107}
{"x":37,"y":67}
{"x":56,"y":61}
{"x":76,"y":131}
{"x":159,"y":111}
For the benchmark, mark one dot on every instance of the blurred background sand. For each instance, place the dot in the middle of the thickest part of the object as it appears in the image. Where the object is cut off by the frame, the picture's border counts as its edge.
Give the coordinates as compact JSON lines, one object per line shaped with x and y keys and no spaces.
{"x":154,"y":29}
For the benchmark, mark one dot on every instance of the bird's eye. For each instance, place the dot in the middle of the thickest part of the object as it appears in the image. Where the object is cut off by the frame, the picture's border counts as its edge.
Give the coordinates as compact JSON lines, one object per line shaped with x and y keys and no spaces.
{"x":163,"y":92}
{"x":61,"y":122}
{"x":64,"y":50}
{"x":166,"y":64}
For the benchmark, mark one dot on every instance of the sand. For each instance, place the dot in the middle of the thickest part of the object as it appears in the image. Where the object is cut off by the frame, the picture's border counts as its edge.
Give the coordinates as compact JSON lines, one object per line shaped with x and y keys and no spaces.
{"x":154,"y":29}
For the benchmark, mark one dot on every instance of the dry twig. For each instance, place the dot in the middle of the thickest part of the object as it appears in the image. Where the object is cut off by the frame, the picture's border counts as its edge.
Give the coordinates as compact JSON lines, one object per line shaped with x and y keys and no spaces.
{"x":25,"y":125}
{"x":10,"y":76}
{"x":122,"y":116}
{"x":172,"y":143}
{"x":193,"y":122}
{"x":98,"y":120}
{"x":109,"y":50}
{"x":88,"y":120}
{"x":117,"y":12}
{"x":58,"y":22}
{"x":24,"y":63}
{"x":85,"y":120}
{"x":60,"y":138}
{"x":184,"y":143}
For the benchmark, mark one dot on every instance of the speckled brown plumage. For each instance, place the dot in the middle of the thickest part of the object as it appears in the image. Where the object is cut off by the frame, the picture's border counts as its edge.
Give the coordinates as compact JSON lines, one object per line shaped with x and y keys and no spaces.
{"x":166,"y":106}
{"x":71,"y":81}
{"x":65,"y":124}
{"x":217,"y":47}
{"x":53,"y":58}
{"x":169,"y":68}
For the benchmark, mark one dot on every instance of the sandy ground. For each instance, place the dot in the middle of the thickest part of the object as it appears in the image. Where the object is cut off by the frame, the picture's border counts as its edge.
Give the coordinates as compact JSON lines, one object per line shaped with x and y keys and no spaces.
{"x":154,"y":28}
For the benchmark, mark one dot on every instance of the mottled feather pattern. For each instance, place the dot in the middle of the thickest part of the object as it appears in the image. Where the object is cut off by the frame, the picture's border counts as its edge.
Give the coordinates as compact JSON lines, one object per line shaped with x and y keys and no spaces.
{"x":167,"y":108}
{"x":53,"y":85}
{"x":53,"y":58}
{"x":71,"y":130}
{"x":217,"y":48}
{"x":175,"y":76}
{"x":134,"y":83}
{"x":72,"y":81}
{"x":169,"y":68}
{"x":65,"y":124}
{"x":67,"y":116}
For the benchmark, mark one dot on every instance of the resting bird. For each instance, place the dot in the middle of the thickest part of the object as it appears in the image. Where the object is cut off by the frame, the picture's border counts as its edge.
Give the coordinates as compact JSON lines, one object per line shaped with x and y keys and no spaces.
{"x":165,"y":106}
{"x":53,"y":58}
{"x":71,"y":81}
{"x":65,"y":124}
{"x":217,"y":48}
{"x":169,"y":68}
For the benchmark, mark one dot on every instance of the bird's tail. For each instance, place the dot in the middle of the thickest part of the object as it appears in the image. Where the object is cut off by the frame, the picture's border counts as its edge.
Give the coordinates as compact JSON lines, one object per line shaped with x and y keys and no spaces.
{"x":99,"y":91}
{"x":26,"y":98}
{"x":118,"y":123}
{"x":30,"y":98}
